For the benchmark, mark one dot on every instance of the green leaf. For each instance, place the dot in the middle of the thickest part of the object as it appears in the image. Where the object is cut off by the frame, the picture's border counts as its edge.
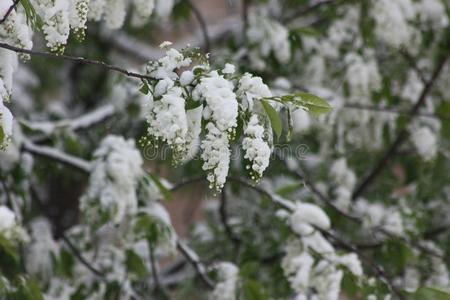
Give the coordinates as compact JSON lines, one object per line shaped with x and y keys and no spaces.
{"x":33,"y":18}
{"x":164,"y":190}
{"x":2,"y":136}
{"x":181,"y":10}
{"x":273,"y":117}
{"x":192,"y":104}
{"x":286,"y":190}
{"x":144,"y":88}
{"x":249,"y":269}
{"x":431,"y":293}
{"x":290,"y":124}
{"x":314,"y":104}
{"x":135,"y":264}
{"x":8,"y":249}
{"x":308,"y":31}
{"x":253,"y":290}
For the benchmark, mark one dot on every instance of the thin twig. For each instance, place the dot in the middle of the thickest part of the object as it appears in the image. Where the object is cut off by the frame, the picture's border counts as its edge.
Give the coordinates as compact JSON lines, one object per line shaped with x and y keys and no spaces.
{"x":9,"y":11}
{"x":203,"y":26}
{"x":413,"y":63}
{"x":245,"y":8}
{"x":158,"y":286}
{"x":75,"y":59}
{"x":224,"y":220}
{"x":187,"y":182}
{"x":194,"y":260}
{"x":394,"y":111}
{"x":402,"y":135}
{"x":303,"y":176}
{"x":306,"y":10}
{"x":80,"y":257}
{"x":82,"y":122}
{"x":57,"y":155}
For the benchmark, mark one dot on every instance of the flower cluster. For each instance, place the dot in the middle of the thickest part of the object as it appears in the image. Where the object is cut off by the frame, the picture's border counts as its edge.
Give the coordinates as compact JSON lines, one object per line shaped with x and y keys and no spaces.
{"x":256,"y":149}
{"x":425,"y":141}
{"x":178,"y":105}
{"x":56,"y":23}
{"x":226,"y":288}
{"x":78,"y":13}
{"x":311,"y":263}
{"x":268,"y":37}
{"x":113,"y":12}
{"x":14,"y":30}
{"x":112,"y":189}
{"x":9,"y":228}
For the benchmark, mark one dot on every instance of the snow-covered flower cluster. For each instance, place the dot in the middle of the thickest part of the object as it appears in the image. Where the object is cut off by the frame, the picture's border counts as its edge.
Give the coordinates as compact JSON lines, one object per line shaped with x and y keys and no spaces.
{"x":311,"y":263}
{"x":392,"y":19}
{"x":115,"y":173}
{"x":15,"y":31}
{"x":425,"y":141}
{"x":113,"y":12}
{"x":179,"y":104}
{"x":9,"y":228}
{"x":267,"y":36}
{"x":226,"y":288}
{"x":257,"y":151}
{"x":362,"y":76}
{"x":78,"y":13}
{"x":56,"y":23}
{"x":42,"y":249}
{"x":378,"y":216}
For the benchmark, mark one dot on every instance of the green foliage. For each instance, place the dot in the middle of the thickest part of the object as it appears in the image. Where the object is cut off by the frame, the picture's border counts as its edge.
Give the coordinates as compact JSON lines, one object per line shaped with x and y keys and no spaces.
{"x":430,"y":293}
{"x":135,"y":264}
{"x":312,"y":103}
{"x":274,"y":118}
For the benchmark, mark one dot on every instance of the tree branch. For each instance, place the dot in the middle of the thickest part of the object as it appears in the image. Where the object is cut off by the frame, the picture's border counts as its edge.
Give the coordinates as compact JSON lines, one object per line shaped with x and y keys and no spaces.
{"x":158,"y":286}
{"x":224,"y":220}
{"x":9,"y":11}
{"x":403,"y":134}
{"x":82,"y":122}
{"x":194,"y":260}
{"x":203,"y":26}
{"x":306,"y":10}
{"x":57,"y":155}
{"x":394,"y":111}
{"x":75,"y":59}
{"x":80,"y":257}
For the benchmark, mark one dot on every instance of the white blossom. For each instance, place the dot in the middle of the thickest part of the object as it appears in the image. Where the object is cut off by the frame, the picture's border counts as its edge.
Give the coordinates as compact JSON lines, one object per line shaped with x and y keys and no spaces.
{"x":226,"y":288}
{"x":229,"y":69}
{"x":342,"y":174}
{"x":143,"y":9}
{"x":425,"y":142}
{"x":41,"y":250}
{"x":96,"y":9}
{"x":56,"y":27}
{"x":215,"y":156}
{"x":270,"y":37}
{"x":222,"y":105}
{"x":257,"y":151}
{"x":113,"y":181}
{"x":252,"y":88}
{"x":115,"y":12}
{"x":391,"y":17}
{"x":168,"y":120}
{"x":78,"y":13}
